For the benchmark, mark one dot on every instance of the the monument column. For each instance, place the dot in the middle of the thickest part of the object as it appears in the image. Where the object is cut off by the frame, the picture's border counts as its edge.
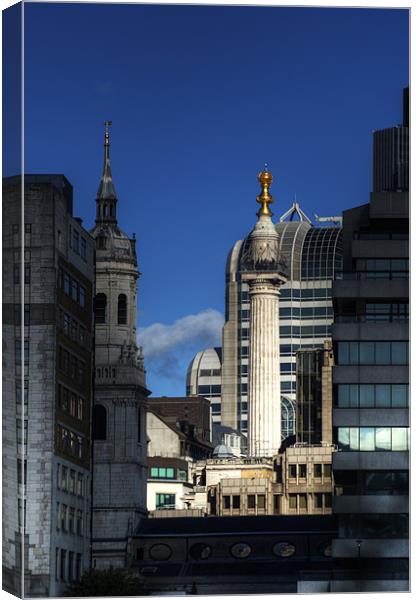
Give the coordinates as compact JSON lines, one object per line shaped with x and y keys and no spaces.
{"x":264,"y":270}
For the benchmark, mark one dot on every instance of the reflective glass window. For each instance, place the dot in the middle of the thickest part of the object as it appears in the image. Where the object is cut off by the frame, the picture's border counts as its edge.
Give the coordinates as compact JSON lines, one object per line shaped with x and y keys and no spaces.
{"x":399,"y":395}
{"x":399,"y":353}
{"x":343,"y":396}
{"x":367,"y":395}
{"x":383,"y":356}
{"x":399,"y":438}
{"x":383,"y":438}
{"x":382,"y":395}
{"x":366,"y":353}
{"x":367,"y":439}
{"x":354,"y":438}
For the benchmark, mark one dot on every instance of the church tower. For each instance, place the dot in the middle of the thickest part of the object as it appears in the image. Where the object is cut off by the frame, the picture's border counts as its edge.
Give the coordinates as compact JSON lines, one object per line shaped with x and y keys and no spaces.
{"x":119,"y":411}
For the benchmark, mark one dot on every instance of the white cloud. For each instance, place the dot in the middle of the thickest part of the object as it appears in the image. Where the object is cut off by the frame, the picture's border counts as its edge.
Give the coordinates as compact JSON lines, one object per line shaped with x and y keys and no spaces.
{"x":203,"y":328}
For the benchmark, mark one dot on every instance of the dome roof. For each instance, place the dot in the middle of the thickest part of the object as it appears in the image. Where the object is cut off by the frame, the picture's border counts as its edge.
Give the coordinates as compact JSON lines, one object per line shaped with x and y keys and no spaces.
{"x":113,"y":243}
{"x":223,"y":451}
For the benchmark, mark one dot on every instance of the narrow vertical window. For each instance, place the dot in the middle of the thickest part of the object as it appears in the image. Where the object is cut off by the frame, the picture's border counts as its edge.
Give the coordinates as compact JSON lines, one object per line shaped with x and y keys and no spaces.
{"x":122,"y":309}
{"x":100,"y":308}
{"x":99,"y":422}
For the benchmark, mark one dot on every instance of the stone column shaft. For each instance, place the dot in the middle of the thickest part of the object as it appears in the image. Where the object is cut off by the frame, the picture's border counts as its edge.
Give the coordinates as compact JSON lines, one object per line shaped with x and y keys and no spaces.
{"x":264,"y":427}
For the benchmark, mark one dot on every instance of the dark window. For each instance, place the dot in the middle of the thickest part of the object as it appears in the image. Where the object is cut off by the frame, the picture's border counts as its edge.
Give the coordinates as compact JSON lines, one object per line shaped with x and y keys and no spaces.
{"x":261,"y":501}
{"x":99,"y":422}
{"x":100,"y":308}
{"x":122,"y":309}
{"x":226,"y":502}
{"x":16,"y":274}
{"x":251,"y":501}
{"x":317,"y":470}
{"x":27,"y":273}
{"x":302,"y":470}
{"x":63,"y":565}
{"x":318,"y":500}
{"x":236,"y":502}
{"x":292,"y":471}
{"x":84,"y":248}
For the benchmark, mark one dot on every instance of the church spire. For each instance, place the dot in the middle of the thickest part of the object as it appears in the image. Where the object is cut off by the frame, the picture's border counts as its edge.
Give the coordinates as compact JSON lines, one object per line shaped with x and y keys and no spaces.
{"x":106,"y":195}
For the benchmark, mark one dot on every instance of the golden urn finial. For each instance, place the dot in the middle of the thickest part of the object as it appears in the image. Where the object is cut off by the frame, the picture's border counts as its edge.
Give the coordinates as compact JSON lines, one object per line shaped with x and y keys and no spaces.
{"x":265,"y":179}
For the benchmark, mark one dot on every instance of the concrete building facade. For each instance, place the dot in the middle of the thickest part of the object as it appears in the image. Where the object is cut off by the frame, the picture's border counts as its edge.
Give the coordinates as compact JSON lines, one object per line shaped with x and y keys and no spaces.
{"x":370,"y":382}
{"x":119,"y":412}
{"x":47,"y":386}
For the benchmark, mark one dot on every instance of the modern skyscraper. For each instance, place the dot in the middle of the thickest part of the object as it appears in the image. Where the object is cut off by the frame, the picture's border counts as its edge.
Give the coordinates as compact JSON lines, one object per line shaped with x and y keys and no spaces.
{"x":313,"y":256}
{"x":391,"y":154}
{"x":119,"y":412}
{"x":47,"y":386}
{"x":370,"y":382}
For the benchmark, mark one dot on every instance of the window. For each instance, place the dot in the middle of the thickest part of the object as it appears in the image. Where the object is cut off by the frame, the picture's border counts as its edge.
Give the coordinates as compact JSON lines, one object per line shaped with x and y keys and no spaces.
{"x":367,"y":439}
{"x":79,"y":522}
{"x":372,"y":353}
{"x":80,"y":408}
{"x":64,"y":510}
{"x":236,"y":502}
{"x":327,"y":471}
{"x":80,"y":480}
{"x":317,"y":470}
{"x":75,"y":240}
{"x":70,"y":566}
{"x":165,"y":501}
{"x":16,"y":274}
{"x":57,"y":564}
{"x":99,"y":422}
{"x":74,"y":290}
{"x":21,"y":476}
{"x":377,"y":395}
{"x":27,"y":315}
{"x":251,"y":501}
{"x":100,"y":308}
{"x":67,"y":283}
{"x":83,"y":248}
{"x":226,"y":502}
{"x":328,"y":500}
{"x":71,"y":487}
{"x":82,"y":296}
{"x":261,"y":501}
{"x":292,"y":501}
{"x":302,"y":502}
{"x":71,"y":520}
{"x":63,"y":565}
{"x":27,"y":274}
{"x":21,"y":513}
{"x":78,"y":564}
{"x":318,"y":501}
{"x":292,"y":471}
{"x":302,"y":470}
{"x":122,"y":309}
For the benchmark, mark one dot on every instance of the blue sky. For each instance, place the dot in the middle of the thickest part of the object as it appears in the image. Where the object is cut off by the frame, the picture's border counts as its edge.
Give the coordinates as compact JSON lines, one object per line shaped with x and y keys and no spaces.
{"x":200,"y":97}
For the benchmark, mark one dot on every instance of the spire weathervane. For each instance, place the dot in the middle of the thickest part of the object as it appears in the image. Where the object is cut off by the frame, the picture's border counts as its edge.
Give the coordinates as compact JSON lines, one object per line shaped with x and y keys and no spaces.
{"x":265,"y":179}
{"x":107,"y":124}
